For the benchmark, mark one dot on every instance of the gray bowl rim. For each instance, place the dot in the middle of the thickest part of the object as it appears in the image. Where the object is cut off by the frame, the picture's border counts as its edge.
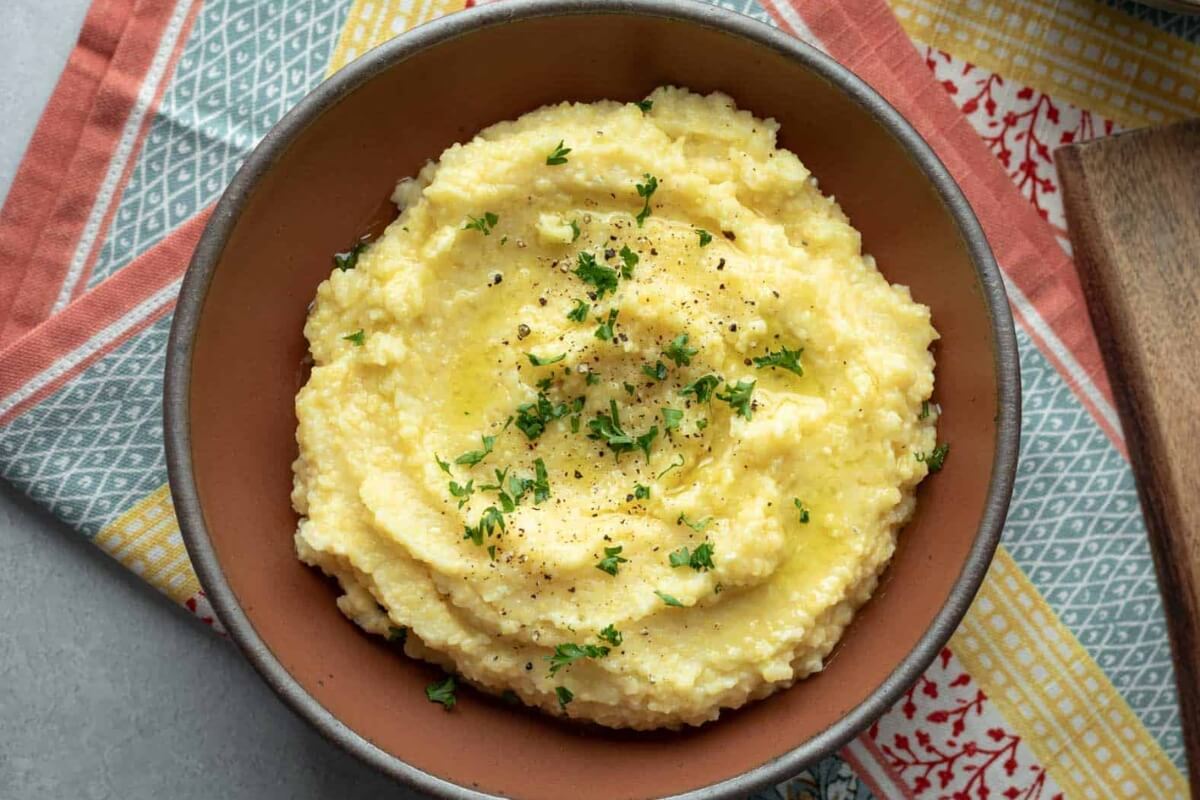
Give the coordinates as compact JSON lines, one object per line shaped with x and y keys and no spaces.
{"x":388,"y":55}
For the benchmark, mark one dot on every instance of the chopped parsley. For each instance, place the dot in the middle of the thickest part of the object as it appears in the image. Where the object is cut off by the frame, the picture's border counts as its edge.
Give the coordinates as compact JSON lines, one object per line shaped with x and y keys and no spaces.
{"x":579,"y":312}
{"x":605,"y":332}
{"x":541,"y":482}
{"x":463,"y":493}
{"x":738,"y":396}
{"x":699,"y":559}
{"x":701,"y":423}
{"x":629,"y":388}
{"x":784,"y":359}
{"x":491,"y":551}
{"x":924,"y":410}
{"x":670,"y":467}
{"x":442,"y":692}
{"x":629,"y":260}
{"x":567,"y":654}
{"x":646,"y":439}
{"x":645,"y":105}
{"x":532,"y":418}
{"x":641,"y":492}
{"x":607,"y":428}
{"x":668,"y":599}
{"x":482,"y":224}
{"x":611,"y":635}
{"x":574,"y":229}
{"x":936,"y":457}
{"x":603,"y":277}
{"x":705,"y":237}
{"x":442,"y":465}
{"x":565,"y":696}
{"x":544,"y":384}
{"x":357,"y":338}
{"x":804,"y":515}
{"x":697,"y":526}
{"x":658,"y":372}
{"x":398,"y":635}
{"x":541,"y":361}
{"x":592,"y":378}
{"x":558,"y":156}
{"x":492,"y":518}
{"x":679,"y":352}
{"x":646,"y":191}
{"x":473,"y":457}
{"x":702,"y":387}
{"x":612,"y":560}
{"x":671,"y":418}
{"x":349,"y":260}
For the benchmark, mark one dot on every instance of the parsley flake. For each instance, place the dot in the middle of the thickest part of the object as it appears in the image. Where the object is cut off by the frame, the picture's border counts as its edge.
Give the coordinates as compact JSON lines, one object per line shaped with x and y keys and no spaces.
{"x":629,"y":261}
{"x":541,"y":482}
{"x":605,"y":332}
{"x":592,"y":378}
{"x":574,"y":229}
{"x":784,"y":359}
{"x":564,"y":694}
{"x":936,"y":457}
{"x":442,"y":692}
{"x":668,"y":599}
{"x":679,"y":352}
{"x":699,"y":559}
{"x":612,"y":560}
{"x":646,"y":191}
{"x":611,"y":635}
{"x":698,"y":525}
{"x":658,"y":372}
{"x":567,"y":654}
{"x":645,"y":105}
{"x":532,"y":418}
{"x":349,"y":259}
{"x":702,"y":387}
{"x":579,"y":312}
{"x":604,"y":278}
{"x":357,"y":338}
{"x":463,"y":493}
{"x":671,"y":418}
{"x":442,"y":465}
{"x":473,"y":457}
{"x":738,"y":397}
{"x":558,"y":156}
{"x":671,"y":466}
{"x":397,"y":634}
{"x":705,"y":237}
{"x":641,"y":492}
{"x":542,"y":361}
{"x":482,"y":224}
{"x":804,"y":515}
{"x":924,"y":410}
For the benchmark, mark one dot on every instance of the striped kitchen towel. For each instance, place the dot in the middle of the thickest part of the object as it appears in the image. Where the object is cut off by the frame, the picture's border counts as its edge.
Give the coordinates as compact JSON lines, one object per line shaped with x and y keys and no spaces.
{"x":1059,"y":681}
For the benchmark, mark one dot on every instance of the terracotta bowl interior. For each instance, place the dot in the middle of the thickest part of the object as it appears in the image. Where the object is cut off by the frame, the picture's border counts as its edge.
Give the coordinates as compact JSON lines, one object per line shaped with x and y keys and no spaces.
{"x":329,"y":185}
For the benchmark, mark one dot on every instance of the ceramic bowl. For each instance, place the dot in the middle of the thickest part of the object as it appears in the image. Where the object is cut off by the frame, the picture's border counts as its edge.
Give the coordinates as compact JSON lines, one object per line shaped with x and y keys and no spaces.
{"x":321,"y":177}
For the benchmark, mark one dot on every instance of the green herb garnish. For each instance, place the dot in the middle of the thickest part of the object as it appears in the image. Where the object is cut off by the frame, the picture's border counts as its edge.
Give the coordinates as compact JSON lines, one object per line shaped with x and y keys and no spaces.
{"x":705,"y":237}
{"x":579,"y":312}
{"x":564,"y":694}
{"x":679,"y":352}
{"x":611,"y":635}
{"x":444,"y":466}
{"x":397,"y":634}
{"x":784,"y":359}
{"x":702,"y":387}
{"x":697,"y":526}
{"x":645,"y":105}
{"x":629,"y":261}
{"x":699,"y":559}
{"x":738,"y":396}
{"x":612,"y":560}
{"x":924,"y":410}
{"x":491,"y":551}
{"x":671,"y":418}
{"x":532,"y":418}
{"x":668,"y":599}
{"x":482,"y":224}
{"x":349,"y":259}
{"x":603,"y":277}
{"x":605,"y":332}
{"x":473,"y":457}
{"x":541,"y":361}
{"x":658,"y":372}
{"x":641,"y":492}
{"x":558,"y":155}
{"x":442,"y":692}
{"x":541,"y":482}
{"x":671,"y":466}
{"x":574,"y":230}
{"x":357,"y":338}
{"x":567,"y":654}
{"x":463,"y":493}
{"x":936,"y":458}
{"x":646,"y":191}
{"x":803,"y":510}
{"x":629,"y":388}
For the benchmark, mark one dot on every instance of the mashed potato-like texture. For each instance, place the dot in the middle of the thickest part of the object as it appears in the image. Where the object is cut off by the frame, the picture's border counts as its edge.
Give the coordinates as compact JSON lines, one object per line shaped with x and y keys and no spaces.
{"x":708,"y":545}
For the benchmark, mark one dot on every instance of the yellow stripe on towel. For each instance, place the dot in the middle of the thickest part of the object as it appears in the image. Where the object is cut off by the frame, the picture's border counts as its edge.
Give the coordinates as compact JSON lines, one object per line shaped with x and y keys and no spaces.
{"x":372,"y":22}
{"x":146,"y":540}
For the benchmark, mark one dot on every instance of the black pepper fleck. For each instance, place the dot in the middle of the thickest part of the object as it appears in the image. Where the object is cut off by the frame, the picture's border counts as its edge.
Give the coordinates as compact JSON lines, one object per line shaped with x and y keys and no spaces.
{"x":721,"y":264}
{"x":729,"y":235}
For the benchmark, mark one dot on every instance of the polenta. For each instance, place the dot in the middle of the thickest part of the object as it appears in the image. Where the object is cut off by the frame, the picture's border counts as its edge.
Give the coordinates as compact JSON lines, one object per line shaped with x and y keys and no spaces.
{"x":616,"y":416}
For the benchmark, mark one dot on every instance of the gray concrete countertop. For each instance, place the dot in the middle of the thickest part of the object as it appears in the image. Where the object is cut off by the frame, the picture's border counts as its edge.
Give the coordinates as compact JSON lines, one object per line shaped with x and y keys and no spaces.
{"x":107,"y":690}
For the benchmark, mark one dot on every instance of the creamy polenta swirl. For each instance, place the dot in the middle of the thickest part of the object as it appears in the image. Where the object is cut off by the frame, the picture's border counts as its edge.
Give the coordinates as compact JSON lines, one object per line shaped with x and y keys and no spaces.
{"x":616,"y":416}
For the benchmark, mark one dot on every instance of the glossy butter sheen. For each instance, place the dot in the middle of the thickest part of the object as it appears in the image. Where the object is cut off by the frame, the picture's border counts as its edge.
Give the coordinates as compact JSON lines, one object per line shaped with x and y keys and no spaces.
{"x":448,"y":315}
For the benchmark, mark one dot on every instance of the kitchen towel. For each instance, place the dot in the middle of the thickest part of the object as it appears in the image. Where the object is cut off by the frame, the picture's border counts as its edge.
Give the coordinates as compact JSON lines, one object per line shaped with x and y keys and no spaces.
{"x":1059,"y":681}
